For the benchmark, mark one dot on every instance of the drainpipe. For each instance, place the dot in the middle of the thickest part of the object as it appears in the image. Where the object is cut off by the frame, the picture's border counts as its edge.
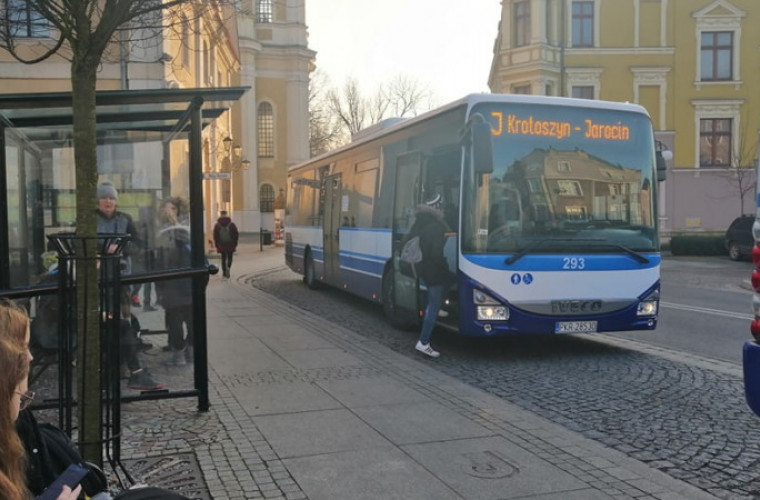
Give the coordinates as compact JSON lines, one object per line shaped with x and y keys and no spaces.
{"x":124,"y":58}
{"x":562,"y":34}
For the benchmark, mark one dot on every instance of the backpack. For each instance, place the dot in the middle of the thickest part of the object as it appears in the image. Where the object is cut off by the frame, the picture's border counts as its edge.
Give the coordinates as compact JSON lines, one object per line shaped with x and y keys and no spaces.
{"x":50,"y":451}
{"x":411,"y":254}
{"x":411,"y":251}
{"x":225,"y":237}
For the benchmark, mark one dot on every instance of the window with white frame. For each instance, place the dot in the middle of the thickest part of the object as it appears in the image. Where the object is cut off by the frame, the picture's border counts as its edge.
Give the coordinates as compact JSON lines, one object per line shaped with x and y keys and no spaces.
{"x":588,"y":81}
{"x":24,"y":21}
{"x":521,"y":22}
{"x":264,"y":11}
{"x":583,"y":24}
{"x":718,"y":31}
{"x":715,"y":139}
{"x":266,"y":198}
{"x":716,"y":125}
{"x":716,"y":55}
{"x":265,"y":126}
{"x":583,"y":91}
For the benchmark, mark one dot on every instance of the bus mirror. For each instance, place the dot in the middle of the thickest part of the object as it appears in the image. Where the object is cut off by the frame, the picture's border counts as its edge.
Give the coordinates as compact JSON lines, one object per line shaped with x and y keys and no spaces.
{"x":662,"y":167}
{"x":482,"y":148}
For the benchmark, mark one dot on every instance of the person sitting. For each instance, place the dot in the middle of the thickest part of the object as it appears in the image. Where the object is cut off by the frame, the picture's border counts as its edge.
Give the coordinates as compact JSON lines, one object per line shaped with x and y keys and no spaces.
{"x":139,"y":378}
{"x":14,"y":394}
{"x":15,"y":456}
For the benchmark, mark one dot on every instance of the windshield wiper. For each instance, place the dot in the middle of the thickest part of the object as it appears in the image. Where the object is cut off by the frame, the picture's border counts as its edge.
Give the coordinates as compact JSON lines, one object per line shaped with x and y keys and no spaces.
{"x":530,"y":248}
{"x":525,"y":251}
{"x":633,"y":253}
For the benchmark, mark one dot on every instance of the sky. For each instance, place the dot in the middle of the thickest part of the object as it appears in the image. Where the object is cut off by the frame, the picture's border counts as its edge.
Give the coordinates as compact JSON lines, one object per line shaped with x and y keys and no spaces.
{"x":445,"y":45}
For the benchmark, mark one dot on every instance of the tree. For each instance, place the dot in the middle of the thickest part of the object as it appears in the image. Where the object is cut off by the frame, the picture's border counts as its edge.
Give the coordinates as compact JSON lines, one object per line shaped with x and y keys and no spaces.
{"x":740,"y":174}
{"x":325,"y":132}
{"x":353,"y":111}
{"x":87,"y":31}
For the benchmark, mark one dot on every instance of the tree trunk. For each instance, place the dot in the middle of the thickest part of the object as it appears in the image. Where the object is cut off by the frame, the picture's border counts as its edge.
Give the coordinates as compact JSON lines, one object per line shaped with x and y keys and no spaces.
{"x":89,"y":415}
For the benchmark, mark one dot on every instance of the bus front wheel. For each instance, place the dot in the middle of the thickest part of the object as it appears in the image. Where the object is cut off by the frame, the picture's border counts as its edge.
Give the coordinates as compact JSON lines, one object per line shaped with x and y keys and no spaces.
{"x":309,"y":273}
{"x":397,"y":316}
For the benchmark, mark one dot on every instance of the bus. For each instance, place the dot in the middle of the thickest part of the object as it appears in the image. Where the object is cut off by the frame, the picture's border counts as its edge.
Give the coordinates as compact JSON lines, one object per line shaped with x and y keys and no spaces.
{"x":551,"y":202}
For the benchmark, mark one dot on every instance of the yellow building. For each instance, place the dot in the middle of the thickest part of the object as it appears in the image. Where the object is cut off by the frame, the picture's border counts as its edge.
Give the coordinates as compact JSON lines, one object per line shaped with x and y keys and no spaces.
{"x":276,"y":63}
{"x":692,"y":64}
{"x":246,"y":150}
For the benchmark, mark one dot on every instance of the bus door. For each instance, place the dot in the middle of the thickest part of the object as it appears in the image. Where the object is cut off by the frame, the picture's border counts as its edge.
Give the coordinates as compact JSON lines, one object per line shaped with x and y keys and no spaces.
{"x":331,"y":244}
{"x":407,"y":193}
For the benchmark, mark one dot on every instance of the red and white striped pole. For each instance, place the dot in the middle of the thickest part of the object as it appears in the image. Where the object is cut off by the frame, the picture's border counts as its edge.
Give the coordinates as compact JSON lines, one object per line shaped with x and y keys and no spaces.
{"x":751,"y":351}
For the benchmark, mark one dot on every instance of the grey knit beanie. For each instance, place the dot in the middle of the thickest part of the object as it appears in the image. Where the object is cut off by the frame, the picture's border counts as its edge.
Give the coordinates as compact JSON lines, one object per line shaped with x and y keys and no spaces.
{"x":107,"y":190}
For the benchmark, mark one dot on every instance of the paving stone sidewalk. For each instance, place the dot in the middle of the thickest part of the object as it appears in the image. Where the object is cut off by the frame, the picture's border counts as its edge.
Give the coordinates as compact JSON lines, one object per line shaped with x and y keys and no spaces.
{"x":302,"y":408}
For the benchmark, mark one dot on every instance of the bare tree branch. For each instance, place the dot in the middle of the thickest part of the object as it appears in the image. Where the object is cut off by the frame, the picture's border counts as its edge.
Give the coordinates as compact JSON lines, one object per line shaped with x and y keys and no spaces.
{"x":402,"y":97}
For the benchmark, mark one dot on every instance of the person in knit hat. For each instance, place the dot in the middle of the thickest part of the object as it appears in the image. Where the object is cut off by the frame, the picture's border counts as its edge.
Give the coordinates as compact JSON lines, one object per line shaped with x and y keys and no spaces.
{"x":112,"y":221}
{"x":434,"y":271}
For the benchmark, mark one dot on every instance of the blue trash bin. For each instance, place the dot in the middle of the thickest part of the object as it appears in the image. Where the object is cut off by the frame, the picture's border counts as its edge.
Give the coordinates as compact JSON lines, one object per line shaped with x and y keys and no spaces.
{"x":751,"y":362}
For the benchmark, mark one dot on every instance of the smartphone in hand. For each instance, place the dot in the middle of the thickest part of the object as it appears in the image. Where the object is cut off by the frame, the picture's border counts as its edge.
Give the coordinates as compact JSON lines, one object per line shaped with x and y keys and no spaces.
{"x":71,"y":477}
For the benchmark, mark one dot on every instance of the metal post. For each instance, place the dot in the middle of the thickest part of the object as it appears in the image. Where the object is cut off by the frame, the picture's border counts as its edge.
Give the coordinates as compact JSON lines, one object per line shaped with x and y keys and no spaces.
{"x":5,"y":267}
{"x":73,"y":278}
{"x":198,"y":256}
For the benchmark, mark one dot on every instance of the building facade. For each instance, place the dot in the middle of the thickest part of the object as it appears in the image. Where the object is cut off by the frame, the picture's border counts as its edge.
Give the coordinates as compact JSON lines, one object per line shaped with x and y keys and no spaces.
{"x":276,"y":63}
{"x":692,"y":64}
{"x":260,"y":44}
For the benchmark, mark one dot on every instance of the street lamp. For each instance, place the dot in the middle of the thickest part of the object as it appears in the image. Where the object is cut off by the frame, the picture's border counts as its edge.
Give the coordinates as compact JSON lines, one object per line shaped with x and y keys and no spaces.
{"x":234,"y":155}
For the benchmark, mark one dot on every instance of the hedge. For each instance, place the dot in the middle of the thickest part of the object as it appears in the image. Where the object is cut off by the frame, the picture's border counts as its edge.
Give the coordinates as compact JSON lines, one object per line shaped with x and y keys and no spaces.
{"x":694,"y":244}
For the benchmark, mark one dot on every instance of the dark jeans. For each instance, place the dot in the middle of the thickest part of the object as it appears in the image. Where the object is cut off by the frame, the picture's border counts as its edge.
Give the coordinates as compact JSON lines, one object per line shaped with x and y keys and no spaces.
{"x":175,"y":317}
{"x":226,"y":262}
{"x":435,"y":295}
{"x":128,"y":345}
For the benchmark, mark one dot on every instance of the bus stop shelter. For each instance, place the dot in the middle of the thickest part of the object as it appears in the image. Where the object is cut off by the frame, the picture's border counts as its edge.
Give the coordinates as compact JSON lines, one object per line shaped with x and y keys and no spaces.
{"x":151,"y":144}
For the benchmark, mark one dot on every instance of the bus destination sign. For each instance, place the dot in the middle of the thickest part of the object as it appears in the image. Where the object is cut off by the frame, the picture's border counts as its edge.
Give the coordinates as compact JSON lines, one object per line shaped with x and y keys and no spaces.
{"x":512,"y":124}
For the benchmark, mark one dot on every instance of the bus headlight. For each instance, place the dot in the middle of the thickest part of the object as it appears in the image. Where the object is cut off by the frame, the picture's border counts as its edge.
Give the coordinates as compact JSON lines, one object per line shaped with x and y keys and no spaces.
{"x":648,"y":306}
{"x":487,"y":308}
{"x":482,"y":298}
{"x":492,"y":313}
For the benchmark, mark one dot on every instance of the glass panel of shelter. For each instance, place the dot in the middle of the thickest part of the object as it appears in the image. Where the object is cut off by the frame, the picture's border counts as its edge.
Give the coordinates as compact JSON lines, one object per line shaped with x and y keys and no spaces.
{"x":148,"y":174}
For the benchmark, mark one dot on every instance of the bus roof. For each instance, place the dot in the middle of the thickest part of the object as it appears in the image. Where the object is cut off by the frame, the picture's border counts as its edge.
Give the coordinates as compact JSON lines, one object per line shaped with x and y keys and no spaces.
{"x":391,"y":125}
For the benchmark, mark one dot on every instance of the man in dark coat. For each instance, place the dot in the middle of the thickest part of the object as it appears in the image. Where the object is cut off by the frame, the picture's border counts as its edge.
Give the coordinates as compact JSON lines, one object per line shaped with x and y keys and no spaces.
{"x":226,"y":240}
{"x":433,"y":270}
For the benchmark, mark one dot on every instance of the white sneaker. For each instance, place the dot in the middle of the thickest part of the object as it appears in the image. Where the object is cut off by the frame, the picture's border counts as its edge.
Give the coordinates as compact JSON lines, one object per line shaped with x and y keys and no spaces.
{"x":427,"y":350}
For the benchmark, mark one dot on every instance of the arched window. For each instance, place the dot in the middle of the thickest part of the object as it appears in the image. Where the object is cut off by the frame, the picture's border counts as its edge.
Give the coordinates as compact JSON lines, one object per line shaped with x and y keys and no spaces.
{"x":266,"y":130}
{"x":266,"y":198}
{"x":264,"y":11}
{"x":185,"y":42}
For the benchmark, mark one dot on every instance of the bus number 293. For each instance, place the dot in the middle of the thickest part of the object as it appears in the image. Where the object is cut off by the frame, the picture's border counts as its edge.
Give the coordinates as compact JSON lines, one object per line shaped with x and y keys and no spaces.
{"x":573,"y":263}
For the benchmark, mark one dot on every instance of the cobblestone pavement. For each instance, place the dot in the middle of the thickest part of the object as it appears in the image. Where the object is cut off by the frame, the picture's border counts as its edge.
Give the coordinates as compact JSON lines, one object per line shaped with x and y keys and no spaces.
{"x":687,"y":419}
{"x":235,"y":460}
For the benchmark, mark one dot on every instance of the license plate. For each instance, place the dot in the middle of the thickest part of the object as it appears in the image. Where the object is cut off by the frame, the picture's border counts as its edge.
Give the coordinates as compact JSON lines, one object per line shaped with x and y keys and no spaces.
{"x":575,"y":327}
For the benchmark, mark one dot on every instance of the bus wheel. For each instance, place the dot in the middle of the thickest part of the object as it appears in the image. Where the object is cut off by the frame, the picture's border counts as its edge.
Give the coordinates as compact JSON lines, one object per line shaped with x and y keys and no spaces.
{"x":398,"y":317}
{"x":309,"y":274}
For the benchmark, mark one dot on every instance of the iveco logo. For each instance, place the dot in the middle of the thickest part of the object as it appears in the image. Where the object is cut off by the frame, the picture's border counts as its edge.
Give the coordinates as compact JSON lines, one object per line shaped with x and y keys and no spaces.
{"x":576,"y":306}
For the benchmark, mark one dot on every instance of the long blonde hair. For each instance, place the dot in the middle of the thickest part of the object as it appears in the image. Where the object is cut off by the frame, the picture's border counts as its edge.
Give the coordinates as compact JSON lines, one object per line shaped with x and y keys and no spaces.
{"x":15,"y":368}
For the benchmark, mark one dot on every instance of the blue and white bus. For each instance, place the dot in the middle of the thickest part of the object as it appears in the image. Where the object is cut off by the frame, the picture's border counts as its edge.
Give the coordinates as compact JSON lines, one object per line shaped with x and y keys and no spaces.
{"x":552,"y":203}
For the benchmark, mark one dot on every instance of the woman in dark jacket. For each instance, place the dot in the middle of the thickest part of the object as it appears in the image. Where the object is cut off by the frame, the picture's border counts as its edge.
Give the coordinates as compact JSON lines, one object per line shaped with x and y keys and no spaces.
{"x":433,"y":270}
{"x":173,"y":252}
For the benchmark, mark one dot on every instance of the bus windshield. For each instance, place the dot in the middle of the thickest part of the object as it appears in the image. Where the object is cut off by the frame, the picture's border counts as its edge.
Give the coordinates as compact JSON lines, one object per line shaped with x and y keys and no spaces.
{"x":575,"y":179}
